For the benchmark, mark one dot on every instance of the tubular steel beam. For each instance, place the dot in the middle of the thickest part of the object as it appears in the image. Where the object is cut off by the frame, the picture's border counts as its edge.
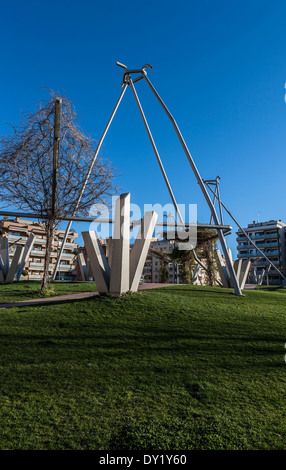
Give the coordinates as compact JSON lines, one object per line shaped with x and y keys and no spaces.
{"x":225,"y":228}
{"x":87,"y":178}
{"x":201,"y":184}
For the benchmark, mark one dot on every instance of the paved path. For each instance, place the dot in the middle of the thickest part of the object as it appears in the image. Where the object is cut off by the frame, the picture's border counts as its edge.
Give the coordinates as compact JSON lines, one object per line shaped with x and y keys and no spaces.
{"x":60,"y":298}
{"x":48,"y":300}
{"x":85,"y":295}
{"x":250,"y":286}
{"x":150,"y":285}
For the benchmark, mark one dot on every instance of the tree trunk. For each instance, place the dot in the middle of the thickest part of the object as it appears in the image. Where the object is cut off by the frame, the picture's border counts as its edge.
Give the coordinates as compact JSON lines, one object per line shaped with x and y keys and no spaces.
{"x":50,"y":225}
{"x":164,"y":274}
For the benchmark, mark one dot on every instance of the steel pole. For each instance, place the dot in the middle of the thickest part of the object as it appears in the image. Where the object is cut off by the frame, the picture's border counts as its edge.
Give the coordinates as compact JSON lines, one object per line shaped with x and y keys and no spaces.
{"x":56,"y":151}
{"x":202,"y":186}
{"x":219,"y":203}
{"x":156,"y":152}
{"x":214,"y":199}
{"x":87,"y":178}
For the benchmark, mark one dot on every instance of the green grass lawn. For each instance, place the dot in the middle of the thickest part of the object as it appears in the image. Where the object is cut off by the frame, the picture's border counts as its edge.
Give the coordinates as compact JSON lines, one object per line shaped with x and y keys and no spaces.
{"x":181,"y":367}
{"x":26,"y":290}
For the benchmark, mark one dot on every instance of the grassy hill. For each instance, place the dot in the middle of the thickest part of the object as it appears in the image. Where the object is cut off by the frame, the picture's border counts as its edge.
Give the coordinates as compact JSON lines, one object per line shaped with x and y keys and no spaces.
{"x":181,"y":367}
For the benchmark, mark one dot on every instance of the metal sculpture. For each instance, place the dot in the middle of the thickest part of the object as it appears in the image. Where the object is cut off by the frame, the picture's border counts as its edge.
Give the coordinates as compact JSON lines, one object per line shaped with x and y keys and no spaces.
{"x":130,"y":77}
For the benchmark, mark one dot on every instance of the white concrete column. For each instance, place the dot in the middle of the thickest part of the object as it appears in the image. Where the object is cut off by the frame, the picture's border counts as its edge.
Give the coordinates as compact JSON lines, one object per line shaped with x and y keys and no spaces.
{"x":244,"y":273}
{"x":4,"y":255}
{"x":196,"y":275}
{"x":140,"y":249}
{"x":15,"y":263}
{"x":223,"y":272}
{"x":89,"y":273}
{"x":82,"y":266}
{"x":2,"y":271}
{"x":119,"y":278}
{"x":1,"y":276}
{"x":109,"y":247}
{"x":237,"y":267}
{"x":98,"y":261}
{"x":26,"y":253}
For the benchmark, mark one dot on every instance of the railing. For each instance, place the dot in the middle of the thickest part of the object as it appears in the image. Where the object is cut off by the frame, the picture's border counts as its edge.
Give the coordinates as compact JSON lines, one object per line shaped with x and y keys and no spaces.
{"x":39,"y":265}
{"x":258,"y":255}
{"x":265,"y":263}
{"x":66,"y":267}
{"x":38,"y":252}
{"x":71,"y":245}
{"x":268,"y":235}
{"x":16,"y":237}
{"x":40,"y":240}
{"x":259,"y":245}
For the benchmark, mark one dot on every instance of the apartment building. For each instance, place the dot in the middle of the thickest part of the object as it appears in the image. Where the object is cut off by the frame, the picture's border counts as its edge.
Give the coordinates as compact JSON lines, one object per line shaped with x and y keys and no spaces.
{"x":270,"y":237}
{"x":153,"y":264}
{"x":18,"y":230}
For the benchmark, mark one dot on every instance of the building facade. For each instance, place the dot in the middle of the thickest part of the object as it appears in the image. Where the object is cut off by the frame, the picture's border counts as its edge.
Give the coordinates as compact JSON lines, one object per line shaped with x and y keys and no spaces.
{"x":153,"y":264}
{"x":270,"y":237}
{"x":18,"y":230}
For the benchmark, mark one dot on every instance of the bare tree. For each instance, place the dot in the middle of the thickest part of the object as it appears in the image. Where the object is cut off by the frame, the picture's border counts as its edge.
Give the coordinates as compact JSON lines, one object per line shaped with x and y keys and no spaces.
{"x":26,"y":169}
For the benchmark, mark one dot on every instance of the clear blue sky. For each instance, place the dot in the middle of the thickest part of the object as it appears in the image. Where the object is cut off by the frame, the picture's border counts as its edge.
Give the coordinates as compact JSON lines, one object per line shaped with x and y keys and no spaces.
{"x":220,"y":67}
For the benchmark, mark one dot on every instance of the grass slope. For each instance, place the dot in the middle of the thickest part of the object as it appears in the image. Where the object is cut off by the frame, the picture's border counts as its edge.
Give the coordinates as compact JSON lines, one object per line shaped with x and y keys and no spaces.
{"x":183,"y":367}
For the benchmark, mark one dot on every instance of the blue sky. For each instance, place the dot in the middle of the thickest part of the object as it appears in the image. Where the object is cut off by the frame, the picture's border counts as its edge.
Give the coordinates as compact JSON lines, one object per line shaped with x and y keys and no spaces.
{"x":220,"y":67}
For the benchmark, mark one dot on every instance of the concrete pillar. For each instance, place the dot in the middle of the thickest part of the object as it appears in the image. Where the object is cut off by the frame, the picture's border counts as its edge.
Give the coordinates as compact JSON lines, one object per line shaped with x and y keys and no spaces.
{"x":140,"y":249}
{"x":196,"y":275}
{"x":26,"y":253}
{"x":223,"y":272}
{"x":2,"y":271}
{"x":109,"y":247}
{"x":82,"y":266}
{"x":17,"y":258}
{"x":4,"y":255}
{"x":237,"y":267}
{"x":227,"y":269}
{"x":1,"y":276}
{"x":260,"y":277}
{"x":244,"y":273}
{"x":89,"y":273}
{"x":98,"y":261}
{"x":120,"y":264}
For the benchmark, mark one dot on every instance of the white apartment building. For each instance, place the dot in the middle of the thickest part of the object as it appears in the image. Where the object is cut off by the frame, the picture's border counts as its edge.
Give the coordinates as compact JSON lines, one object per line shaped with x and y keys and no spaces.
{"x":18,"y":230}
{"x":270,"y":237}
{"x":151,"y":271}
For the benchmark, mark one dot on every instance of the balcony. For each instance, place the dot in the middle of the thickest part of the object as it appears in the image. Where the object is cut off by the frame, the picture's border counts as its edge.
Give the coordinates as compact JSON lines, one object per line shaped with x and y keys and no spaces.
{"x":258,"y":237}
{"x":68,"y":245}
{"x":42,"y":241}
{"x":67,"y":256}
{"x":265,"y":263}
{"x":35,"y":276}
{"x":18,"y":229}
{"x":39,"y":266}
{"x":41,"y":253}
{"x":258,"y":255}
{"x":259,"y":245}
{"x":38,"y":252}
{"x":66,"y":267}
{"x":17,"y":237}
